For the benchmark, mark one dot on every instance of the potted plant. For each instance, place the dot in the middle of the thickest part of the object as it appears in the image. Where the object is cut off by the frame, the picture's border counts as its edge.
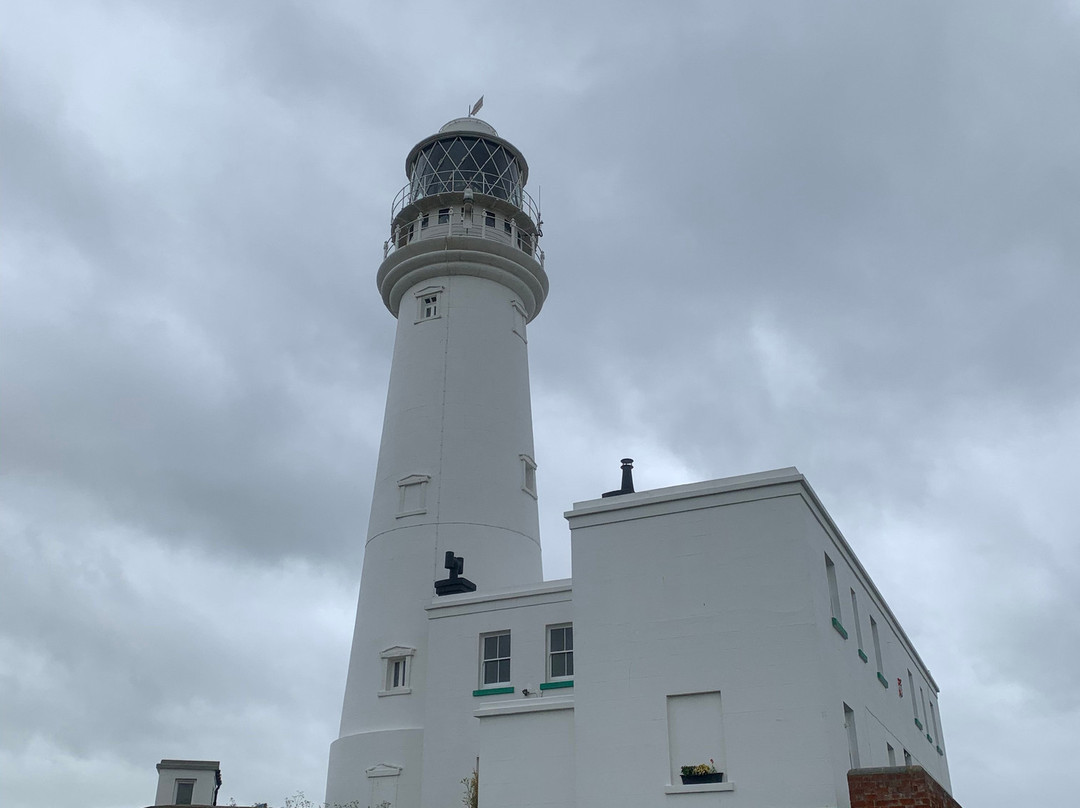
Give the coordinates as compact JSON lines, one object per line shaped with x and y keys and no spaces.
{"x":700,"y":773}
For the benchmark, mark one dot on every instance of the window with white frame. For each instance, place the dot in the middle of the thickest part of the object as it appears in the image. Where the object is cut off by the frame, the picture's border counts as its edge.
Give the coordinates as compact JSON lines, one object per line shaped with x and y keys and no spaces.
{"x":444,"y":216}
{"x":489,"y":219}
{"x":398,"y":661}
{"x":528,"y":475}
{"x":560,"y":652}
{"x":495,"y":659}
{"x":429,"y":303}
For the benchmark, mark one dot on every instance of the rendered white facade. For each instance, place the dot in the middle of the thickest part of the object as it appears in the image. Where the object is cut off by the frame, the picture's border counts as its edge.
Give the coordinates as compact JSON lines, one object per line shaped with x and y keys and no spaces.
{"x":188,"y":782}
{"x":727,"y":620}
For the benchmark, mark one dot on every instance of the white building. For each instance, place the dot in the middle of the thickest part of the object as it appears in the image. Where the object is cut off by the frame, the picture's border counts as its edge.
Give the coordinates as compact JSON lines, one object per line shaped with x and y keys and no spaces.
{"x":188,"y":782}
{"x":725,"y":621}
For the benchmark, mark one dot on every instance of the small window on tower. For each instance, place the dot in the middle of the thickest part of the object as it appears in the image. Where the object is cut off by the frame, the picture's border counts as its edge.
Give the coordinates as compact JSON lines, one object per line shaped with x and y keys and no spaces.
{"x":398,"y":670}
{"x":424,"y":220}
{"x":508,"y":226}
{"x":489,"y":218}
{"x":444,"y":216}
{"x":429,"y":303}
{"x":528,"y":475}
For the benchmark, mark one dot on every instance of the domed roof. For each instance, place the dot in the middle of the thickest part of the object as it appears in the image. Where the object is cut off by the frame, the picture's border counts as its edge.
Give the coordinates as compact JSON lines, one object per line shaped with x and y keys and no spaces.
{"x":469,"y":124}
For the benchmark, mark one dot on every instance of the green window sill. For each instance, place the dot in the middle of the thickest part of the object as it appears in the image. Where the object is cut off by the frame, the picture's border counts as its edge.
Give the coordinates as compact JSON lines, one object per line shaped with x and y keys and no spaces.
{"x":918,"y":723}
{"x":556,"y":685}
{"x":883,"y":680}
{"x":862,"y":655}
{"x":939,"y":750}
{"x":929,"y":738}
{"x":839,"y":628}
{"x":493,"y":691}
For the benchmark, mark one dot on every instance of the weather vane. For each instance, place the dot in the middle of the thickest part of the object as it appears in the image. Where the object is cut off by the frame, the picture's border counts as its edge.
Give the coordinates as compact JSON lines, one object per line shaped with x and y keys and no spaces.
{"x":476,"y":107}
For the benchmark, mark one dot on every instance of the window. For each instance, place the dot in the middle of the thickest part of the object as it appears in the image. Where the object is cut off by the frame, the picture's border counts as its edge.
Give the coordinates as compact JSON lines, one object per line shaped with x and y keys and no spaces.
{"x":489,"y":219}
{"x":524,"y":242}
{"x":495,"y":659}
{"x":398,"y":670}
{"x":519,"y":319}
{"x":933,"y":721}
{"x":907,"y":758}
{"x":852,"y":736}
{"x":412,"y":497}
{"x":528,"y":475}
{"x":560,"y":652}
{"x":855,"y":617}
{"x":429,"y":303}
{"x":877,"y":643}
{"x":891,"y":753}
{"x":922,"y":698}
{"x":184,"y":791}
{"x":508,"y":226}
{"x":911,"y":694}
{"x":444,"y":216}
{"x":834,"y":596}
{"x":424,"y":221}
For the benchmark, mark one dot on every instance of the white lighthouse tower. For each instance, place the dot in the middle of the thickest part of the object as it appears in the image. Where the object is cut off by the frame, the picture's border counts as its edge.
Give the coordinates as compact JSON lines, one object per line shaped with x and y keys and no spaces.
{"x":463,"y":274}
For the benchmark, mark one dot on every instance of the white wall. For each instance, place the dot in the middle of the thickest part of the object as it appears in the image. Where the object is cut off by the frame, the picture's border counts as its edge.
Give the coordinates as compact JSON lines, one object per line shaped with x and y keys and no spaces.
{"x":883,"y":713}
{"x":452,"y":733}
{"x":699,"y":589}
{"x":204,"y":773}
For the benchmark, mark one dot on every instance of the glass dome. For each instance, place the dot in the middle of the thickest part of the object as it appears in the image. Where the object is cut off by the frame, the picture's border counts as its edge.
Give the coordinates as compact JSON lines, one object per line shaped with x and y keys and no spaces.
{"x":459,"y":161}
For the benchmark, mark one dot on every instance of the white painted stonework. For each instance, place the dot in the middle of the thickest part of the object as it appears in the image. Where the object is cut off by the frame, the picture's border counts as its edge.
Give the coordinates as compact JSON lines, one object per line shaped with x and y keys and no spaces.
{"x":706,"y":622}
{"x":194,"y":782}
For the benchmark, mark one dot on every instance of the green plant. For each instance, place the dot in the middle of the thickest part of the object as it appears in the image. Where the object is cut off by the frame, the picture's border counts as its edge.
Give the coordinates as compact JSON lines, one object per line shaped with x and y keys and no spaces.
{"x":698,"y":768}
{"x":471,"y":797}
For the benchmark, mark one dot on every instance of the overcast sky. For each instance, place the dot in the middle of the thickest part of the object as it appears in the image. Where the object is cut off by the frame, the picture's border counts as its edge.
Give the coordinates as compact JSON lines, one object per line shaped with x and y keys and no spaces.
{"x":840,"y":236}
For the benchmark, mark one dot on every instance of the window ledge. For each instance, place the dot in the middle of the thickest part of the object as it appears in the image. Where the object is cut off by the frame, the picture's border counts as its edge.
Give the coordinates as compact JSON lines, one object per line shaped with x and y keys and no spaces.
{"x":939,"y":750}
{"x":883,"y":680}
{"x":493,"y":691}
{"x":556,"y":685}
{"x":699,"y":788}
{"x":862,"y":656}
{"x":401,"y":691}
{"x":839,"y":628}
{"x":929,"y":738}
{"x":918,"y":723}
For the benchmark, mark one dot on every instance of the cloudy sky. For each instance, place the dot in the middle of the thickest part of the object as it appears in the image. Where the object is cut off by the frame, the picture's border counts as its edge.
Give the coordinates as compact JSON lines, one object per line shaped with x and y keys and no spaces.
{"x":841,"y":236}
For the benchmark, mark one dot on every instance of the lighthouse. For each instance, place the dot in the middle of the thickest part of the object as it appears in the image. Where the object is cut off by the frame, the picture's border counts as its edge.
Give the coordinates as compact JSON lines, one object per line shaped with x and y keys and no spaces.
{"x":455,"y":489}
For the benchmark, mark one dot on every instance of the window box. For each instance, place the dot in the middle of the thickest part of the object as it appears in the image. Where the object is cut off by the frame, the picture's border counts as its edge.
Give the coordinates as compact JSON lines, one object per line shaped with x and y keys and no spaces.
{"x":839,"y":628}
{"x":863,"y":656}
{"x":883,"y":680}
{"x":939,"y":750}
{"x":697,"y":779}
{"x":931,"y":740}
{"x":493,"y":691}
{"x":918,"y":723}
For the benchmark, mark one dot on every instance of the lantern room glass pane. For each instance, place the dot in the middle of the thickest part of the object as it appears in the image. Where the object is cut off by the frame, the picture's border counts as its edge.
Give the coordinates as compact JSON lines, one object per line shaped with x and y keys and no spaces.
{"x":454,"y":164}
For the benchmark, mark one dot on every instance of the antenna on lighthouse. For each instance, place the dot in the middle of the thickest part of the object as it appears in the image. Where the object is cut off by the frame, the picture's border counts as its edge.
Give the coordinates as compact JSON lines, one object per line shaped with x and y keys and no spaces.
{"x":476,"y":107}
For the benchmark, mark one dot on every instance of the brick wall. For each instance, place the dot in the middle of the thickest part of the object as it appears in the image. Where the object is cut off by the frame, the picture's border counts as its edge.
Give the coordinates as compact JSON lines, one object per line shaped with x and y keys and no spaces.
{"x":897,"y":787}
